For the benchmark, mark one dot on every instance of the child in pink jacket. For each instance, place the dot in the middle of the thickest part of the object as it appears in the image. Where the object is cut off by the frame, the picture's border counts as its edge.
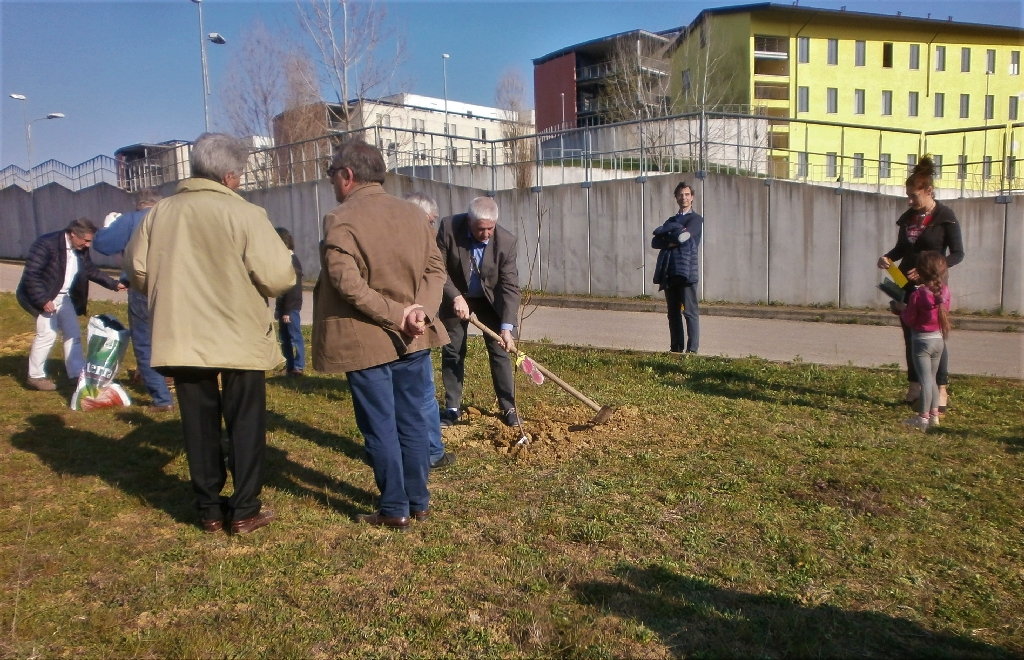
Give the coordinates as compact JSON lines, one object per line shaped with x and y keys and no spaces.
{"x":927,"y":315}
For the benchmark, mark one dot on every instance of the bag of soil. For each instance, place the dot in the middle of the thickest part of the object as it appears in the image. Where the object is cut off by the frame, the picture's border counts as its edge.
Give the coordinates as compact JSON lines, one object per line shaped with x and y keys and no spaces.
{"x":105,"y":347}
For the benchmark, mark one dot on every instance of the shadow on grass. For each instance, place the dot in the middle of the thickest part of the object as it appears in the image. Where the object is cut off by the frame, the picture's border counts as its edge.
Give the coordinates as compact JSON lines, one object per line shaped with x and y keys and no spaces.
{"x":732,"y":382}
{"x":694,"y":618}
{"x":1014,"y":443}
{"x":328,"y":440}
{"x":136,"y":464}
{"x":331,"y":387}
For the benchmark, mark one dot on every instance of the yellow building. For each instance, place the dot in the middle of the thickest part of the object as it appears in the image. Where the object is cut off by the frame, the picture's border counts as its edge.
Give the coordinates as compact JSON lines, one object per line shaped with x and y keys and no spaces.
{"x":862,"y":95}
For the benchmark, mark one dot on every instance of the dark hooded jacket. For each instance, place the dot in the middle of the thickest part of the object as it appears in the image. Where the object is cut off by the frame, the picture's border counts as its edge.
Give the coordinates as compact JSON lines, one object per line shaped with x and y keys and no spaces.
{"x":44,"y":275}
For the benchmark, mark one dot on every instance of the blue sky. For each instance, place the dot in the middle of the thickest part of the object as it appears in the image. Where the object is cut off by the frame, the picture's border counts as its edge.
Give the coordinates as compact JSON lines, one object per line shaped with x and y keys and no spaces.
{"x":129,"y":72}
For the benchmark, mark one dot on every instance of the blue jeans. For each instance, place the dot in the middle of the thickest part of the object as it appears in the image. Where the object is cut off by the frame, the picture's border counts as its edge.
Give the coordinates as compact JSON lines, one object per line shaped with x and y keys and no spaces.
{"x":292,"y":344}
{"x":433,"y":413}
{"x":142,"y":340}
{"x":388,"y":401}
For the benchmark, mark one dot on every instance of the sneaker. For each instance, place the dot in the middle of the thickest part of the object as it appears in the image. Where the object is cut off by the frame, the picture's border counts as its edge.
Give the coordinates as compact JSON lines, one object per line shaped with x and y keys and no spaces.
{"x":42,"y":384}
{"x":933,"y":421}
{"x":443,"y":462}
{"x":449,"y":417}
{"x":918,"y":422}
{"x":510,"y":417}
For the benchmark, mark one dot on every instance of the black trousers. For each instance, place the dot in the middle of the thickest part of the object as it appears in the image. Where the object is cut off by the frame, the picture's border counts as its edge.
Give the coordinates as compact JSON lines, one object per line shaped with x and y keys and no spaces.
{"x":243,"y":405}
{"x":453,"y":357}
{"x":679,"y":292}
{"x":941,"y":378}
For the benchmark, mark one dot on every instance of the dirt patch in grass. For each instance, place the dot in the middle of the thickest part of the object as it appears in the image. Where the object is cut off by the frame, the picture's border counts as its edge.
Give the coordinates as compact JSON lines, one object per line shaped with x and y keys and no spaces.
{"x":855,"y":498}
{"x":557,"y":434}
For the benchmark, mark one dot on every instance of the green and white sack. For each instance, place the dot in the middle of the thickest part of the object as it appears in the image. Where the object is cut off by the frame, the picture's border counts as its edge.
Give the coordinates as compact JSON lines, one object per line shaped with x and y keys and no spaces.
{"x":107,"y":341}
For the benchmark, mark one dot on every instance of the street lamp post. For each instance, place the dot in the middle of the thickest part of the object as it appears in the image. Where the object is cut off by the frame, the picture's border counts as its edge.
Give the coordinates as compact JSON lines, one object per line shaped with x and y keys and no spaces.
{"x":28,"y":133}
{"x":561,"y":132}
{"x":217,"y":39}
{"x":447,"y":131}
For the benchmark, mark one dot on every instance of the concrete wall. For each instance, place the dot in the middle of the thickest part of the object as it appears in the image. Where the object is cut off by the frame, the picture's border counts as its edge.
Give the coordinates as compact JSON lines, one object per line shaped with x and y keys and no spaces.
{"x":785,"y":242}
{"x":25,"y":216}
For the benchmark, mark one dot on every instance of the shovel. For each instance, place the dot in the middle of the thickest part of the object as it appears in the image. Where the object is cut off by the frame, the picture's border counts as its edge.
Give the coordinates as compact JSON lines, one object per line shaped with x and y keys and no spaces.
{"x":604,"y":413}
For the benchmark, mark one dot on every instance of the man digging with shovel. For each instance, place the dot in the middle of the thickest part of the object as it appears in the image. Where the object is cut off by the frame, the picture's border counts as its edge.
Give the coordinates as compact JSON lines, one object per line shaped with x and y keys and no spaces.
{"x":483,"y":279}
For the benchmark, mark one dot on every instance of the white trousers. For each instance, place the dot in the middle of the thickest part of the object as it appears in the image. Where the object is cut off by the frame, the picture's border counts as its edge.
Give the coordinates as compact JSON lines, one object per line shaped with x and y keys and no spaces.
{"x":65,"y":321}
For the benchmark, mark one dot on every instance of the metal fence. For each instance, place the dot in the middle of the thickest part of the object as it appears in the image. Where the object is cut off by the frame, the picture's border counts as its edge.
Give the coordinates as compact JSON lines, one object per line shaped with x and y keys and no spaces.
{"x":974,"y":161}
{"x":101,"y":169}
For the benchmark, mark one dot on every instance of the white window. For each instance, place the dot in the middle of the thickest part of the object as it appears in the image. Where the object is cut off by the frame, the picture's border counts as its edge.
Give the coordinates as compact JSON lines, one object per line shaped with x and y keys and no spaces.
{"x":858,"y":166}
{"x":986,"y":168}
{"x":911,"y":162}
{"x":990,"y":107}
{"x":885,"y":166}
{"x":887,"y":102}
{"x":915,"y":56}
{"x":961,"y":167}
{"x":965,"y":106}
{"x":965,"y":60}
{"x":940,"y":58}
{"x":480,"y":133}
{"x":832,"y":100}
{"x":1015,"y":63}
{"x":830,"y":165}
{"x":833,"y":51}
{"x":912,"y":104}
{"x":859,"y":51}
{"x":803,"y":99}
{"x":938,"y":166}
{"x":1014,"y":102}
{"x":858,"y":101}
{"x":803,"y":49}
{"x":940,"y":104}
{"x":802,"y":164}
{"x":990,"y":60}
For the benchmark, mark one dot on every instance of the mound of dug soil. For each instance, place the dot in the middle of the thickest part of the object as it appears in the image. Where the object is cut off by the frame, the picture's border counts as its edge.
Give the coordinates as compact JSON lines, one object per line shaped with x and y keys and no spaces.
{"x":555,"y":434}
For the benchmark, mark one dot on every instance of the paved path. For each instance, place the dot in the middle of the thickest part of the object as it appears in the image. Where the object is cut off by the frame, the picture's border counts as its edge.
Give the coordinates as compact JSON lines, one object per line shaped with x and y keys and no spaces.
{"x":971,"y":352}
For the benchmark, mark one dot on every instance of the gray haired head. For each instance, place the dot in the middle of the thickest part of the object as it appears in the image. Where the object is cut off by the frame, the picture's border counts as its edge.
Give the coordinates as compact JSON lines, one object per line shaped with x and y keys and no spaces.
{"x":425,"y":202}
{"x":483,"y":208}
{"x":146,"y":197}
{"x":81,"y":227}
{"x":215,"y":155}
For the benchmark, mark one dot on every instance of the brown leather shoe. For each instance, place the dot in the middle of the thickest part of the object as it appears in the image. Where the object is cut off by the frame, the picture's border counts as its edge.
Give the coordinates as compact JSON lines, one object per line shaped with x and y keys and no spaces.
{"x":249,"y":525}
{"x":42,"y":384}
{"x":420,"y":516}
{"x":213,"y":526}
{"x":160,"y":409}
{"x":401,"y":523}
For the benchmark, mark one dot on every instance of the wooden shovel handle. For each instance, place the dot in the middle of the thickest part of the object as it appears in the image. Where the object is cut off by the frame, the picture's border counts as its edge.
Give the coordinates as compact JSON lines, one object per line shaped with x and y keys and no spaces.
{"x":547,"y":374}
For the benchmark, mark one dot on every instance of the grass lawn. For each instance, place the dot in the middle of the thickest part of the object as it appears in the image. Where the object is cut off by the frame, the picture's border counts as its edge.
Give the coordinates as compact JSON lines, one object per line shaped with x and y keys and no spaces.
{"x":731,"y":508}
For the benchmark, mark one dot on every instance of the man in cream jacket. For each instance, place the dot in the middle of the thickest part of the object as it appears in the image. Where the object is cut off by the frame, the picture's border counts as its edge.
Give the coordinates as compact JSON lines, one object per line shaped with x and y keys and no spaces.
{"x":208,"y":260}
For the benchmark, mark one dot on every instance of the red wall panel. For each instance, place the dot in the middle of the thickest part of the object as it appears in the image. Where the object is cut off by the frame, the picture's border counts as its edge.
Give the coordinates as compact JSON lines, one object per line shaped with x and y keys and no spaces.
{"x":550,"y":80}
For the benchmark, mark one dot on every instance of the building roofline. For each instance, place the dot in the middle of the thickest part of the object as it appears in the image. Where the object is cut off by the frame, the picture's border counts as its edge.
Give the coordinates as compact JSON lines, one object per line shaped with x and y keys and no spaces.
{"x":808,"y":12}
{"x":142,"y":146}
{"x":664,"y":35}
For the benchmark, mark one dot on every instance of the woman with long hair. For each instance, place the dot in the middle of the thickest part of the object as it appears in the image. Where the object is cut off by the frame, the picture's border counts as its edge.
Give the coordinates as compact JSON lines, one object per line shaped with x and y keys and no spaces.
{"x":927,"y":226}
{"x":926,"y":313}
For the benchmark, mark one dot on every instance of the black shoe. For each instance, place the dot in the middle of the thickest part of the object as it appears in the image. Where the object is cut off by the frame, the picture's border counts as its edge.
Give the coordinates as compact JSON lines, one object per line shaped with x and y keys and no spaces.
{"x":444,"y":461}
{"x":510,"y":417}
{"x":449,"y":418}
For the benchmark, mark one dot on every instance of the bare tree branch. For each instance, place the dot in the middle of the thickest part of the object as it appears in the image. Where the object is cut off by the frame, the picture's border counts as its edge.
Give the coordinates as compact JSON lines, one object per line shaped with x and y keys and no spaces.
{"x":510,"y":99}
{"x":347,"y":36}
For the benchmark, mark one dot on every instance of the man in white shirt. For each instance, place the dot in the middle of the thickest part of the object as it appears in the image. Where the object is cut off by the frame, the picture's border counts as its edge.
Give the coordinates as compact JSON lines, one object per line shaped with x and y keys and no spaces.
{"x":54,"y":288}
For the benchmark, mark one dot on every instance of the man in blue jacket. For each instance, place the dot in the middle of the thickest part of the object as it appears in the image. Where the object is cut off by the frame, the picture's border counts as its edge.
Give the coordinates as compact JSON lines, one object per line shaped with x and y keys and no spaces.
{"x":113,"y":239}
{"x":54,"y":288}
{"x":677,"y":271}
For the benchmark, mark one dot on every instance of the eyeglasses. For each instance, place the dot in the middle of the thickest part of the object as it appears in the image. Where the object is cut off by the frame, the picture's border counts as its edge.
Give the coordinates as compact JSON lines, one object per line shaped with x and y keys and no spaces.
{"x":331,"y":170}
